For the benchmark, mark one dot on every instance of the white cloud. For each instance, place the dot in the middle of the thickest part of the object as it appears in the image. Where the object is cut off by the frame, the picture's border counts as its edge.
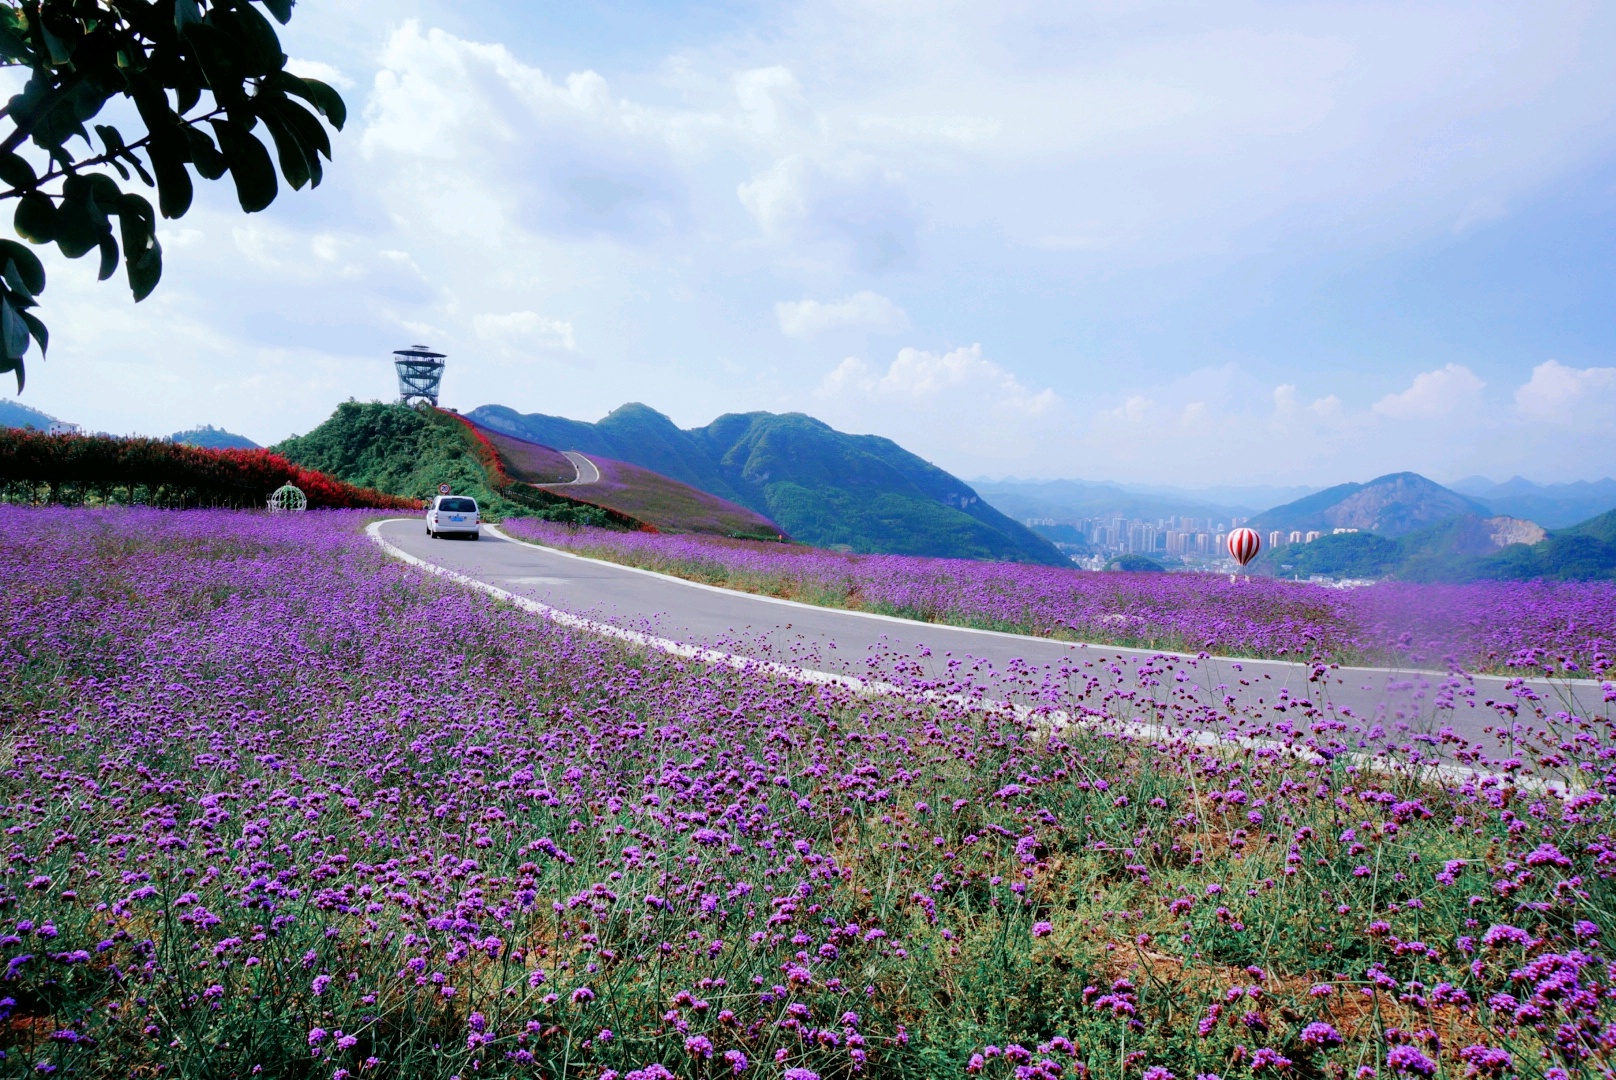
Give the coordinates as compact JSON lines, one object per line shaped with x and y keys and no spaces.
{"x":1134,"y":410}
{"x":917,"y":376}
{"x":1433,"y":394}
{"x":1288,"y":406}
{"x":944,"y":406}
{"x":863,"y":310}
{"x":1563,"y":394}
{"x":1051,"y":175}
{"x":852,"y":203}
{"x":766,"y":95}
{"x":525,"y":332}
{"x":315,"y":69}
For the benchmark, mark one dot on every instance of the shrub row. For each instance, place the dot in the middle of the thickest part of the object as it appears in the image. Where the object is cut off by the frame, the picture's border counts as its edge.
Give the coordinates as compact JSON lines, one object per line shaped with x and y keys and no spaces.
{"x":36,"y":467}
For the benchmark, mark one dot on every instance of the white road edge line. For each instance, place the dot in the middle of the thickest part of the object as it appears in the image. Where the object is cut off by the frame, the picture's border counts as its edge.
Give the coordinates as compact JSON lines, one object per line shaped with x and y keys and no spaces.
{"x":1056,"y":719}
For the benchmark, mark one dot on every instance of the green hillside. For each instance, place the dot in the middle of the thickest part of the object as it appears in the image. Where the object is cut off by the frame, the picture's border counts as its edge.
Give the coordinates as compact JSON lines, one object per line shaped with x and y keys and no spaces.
{"x":1453,"y":550}
{"x":1584,"y":552}
{"x":634,"y":433}
{"x":407,"y":451}
{"x":1393,"y":505}
{"x":15,"y":414}
{"x":213,"y":438}
{"x":823,"y":487}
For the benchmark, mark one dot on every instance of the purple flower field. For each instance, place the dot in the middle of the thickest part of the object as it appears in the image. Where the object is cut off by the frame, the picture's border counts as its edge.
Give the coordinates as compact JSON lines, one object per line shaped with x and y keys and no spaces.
{"x":1513,"y":627}
{"x":276,"y":805}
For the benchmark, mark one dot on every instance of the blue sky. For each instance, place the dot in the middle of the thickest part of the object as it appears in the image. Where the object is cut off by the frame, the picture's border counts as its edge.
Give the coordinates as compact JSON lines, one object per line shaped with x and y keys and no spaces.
{"x":1156,"y":242}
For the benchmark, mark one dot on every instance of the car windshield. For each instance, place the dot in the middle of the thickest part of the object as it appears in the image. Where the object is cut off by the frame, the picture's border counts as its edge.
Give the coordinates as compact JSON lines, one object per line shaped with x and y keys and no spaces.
{"x":458,"y":506}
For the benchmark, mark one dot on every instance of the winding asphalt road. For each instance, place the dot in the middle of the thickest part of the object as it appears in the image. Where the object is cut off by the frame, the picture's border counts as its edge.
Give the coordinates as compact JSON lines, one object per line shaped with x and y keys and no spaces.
{"x":585,"y":471}
{"x":1402,"y":704}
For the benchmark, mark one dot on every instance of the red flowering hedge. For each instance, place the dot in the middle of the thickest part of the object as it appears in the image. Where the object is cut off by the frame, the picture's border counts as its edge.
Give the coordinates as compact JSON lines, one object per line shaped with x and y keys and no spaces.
{"x":74,"y":467}
{"x":484,"y":451}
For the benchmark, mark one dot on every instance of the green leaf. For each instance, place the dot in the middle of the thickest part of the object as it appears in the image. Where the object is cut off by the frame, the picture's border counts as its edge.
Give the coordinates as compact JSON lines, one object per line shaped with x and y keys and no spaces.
{"x":13,"y":365}
{"x":145,"y":176}
{"x":260,"y":49}
{"x":316,"y":93}
{"x":13,"y":332}
{"x":210,"y":164}
{"x":186,"y":12}
{"x":14,"y":281}
{"x":104,"y":188}
{"x":110,"y":138}
{"x":35,"y":219}
{"x":310,"y":132}
{"x":249,"y":163}
{"x":29,"y":268}
{"x":15,"y":170}
{"x":109,"y":257}
{"x":59,"y":48}
{"x":14,"y":48}
{"x":146,"y":273}
{"x":214,"y":52}
{"x":37,"y":329}
{"x":80,"y":222}
{"x":294,"y":164}
{"x":143,"y":256}
{"x":281,"y":9}
{"x":174,"y":189}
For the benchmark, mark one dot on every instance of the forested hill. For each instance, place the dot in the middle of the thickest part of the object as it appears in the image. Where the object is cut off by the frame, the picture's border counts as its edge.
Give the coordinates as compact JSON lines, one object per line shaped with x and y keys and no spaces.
{"x":823,"y":486}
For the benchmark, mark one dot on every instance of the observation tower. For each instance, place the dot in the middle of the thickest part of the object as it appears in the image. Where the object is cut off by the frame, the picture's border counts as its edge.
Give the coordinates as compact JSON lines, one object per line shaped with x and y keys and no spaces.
{"x":420,"y":370}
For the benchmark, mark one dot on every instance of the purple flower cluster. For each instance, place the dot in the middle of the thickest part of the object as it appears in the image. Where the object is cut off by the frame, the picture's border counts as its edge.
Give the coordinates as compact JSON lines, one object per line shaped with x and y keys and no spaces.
{"x":276,"y":805}
{"x":1568,"y":628}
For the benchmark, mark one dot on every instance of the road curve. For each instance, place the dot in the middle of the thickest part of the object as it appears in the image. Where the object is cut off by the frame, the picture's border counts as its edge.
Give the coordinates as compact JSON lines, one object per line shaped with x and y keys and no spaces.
{"x":584,"y":472}
{"x":861,"y":644}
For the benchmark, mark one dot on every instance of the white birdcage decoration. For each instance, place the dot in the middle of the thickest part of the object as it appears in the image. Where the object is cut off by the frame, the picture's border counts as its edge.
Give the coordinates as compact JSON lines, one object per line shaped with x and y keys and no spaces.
{"x":287,"y":499}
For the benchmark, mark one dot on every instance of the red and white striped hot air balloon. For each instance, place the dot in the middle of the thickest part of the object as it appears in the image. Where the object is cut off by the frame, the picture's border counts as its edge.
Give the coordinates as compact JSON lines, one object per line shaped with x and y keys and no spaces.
{"x":1244,"y":545}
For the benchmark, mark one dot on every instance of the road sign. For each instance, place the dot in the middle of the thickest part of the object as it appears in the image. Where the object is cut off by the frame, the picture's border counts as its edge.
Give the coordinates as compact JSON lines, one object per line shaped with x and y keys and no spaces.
{"x":443,"y":489}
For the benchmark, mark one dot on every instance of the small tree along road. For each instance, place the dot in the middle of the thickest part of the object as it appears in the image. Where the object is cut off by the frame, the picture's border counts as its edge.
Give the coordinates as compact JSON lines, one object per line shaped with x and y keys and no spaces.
{"x":202,"y":75}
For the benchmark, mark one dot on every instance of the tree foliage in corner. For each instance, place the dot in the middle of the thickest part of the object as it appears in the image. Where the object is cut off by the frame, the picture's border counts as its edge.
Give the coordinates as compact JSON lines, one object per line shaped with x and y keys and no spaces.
{"x":204,"y":76}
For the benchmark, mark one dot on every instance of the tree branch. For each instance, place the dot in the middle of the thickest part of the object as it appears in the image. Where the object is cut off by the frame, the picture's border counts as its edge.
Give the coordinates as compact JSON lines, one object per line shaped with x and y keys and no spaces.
{"x":103,"y":159}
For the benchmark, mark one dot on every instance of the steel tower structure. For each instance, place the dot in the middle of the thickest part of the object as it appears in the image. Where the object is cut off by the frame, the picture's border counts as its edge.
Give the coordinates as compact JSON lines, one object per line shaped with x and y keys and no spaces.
{"x":420,"y":370}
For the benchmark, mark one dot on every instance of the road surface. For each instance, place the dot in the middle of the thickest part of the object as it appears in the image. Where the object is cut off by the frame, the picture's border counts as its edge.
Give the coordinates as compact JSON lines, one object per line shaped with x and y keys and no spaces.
{"x":1368,"y":703}
{"x":586,"y":472}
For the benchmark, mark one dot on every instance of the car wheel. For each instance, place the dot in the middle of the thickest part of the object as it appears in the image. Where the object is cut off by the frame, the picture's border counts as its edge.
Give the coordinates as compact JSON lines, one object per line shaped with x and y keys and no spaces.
{"x":475,"y":536}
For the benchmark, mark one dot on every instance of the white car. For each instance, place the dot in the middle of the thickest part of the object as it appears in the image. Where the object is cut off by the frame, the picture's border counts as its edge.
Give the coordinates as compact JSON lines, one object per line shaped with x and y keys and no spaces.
{"x":452,"y":515}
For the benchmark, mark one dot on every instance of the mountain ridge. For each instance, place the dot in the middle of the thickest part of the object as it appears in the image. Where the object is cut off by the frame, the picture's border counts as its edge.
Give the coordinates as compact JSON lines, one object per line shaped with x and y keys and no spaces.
{"x":1392,"y":505}
{"x":825,"y":487}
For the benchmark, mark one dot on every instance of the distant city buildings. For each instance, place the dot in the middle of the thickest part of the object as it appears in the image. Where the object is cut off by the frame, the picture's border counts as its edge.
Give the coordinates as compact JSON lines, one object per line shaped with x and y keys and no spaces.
{"x":1188,"y":539}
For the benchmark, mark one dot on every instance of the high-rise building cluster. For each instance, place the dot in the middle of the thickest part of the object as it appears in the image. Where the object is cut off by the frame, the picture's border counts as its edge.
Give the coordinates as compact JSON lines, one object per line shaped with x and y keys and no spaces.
{"x":1177,"y":536}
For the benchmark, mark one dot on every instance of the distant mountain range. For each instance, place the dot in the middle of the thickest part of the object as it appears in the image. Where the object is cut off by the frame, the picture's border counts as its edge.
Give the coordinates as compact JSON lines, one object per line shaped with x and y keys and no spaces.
{"x":824,"y":487}
{"x":1070,"y":500}
{"x":1405,"y":526}
{"x":1391,"y":505}
{"x":14,"y":414}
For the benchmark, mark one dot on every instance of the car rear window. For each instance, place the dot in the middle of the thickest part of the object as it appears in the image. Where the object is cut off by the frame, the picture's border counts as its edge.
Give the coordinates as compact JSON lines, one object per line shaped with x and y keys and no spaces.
{"x":458,"y":506}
